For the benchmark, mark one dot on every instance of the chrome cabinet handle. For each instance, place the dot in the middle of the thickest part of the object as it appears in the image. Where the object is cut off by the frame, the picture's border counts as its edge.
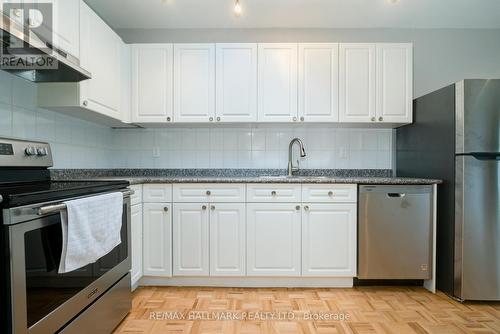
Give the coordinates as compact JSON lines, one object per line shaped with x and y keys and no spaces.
{"x":168,"y":119}
{"x":211,"y":119}
{"x":330,"y":193}
{"x":165,"y":209}
{"x":381,"y":119}
{"x":306,"y":208}
{"x":85,"y":103}
{"x":218,"y":119}
{"x":208,"y":192}
{"x":273,"y":193}
{"x":212,"y":207}
{"x":204,"y":207}
{"x":302,"y":119}
{"x":297,"y":207}
{"x":373,"y":119}
{"x":295,"y":119}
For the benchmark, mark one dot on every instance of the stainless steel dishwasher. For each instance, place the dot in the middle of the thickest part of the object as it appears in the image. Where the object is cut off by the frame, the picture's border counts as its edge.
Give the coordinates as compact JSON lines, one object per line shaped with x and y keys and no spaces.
{"x":395,"y":232}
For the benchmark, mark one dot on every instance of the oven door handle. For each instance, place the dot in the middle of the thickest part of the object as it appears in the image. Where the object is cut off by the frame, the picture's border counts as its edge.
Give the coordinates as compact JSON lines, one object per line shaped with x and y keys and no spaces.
{"x":45,"y":210}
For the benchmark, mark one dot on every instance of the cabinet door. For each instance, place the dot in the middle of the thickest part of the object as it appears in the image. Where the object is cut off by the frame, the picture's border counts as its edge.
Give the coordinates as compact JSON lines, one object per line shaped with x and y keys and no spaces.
{"x":319,"y":82}
{"x":99,"y":54}
{"x":152,"y":83}
{"x":194,"y":82}
{"x":357,"y":83}
{"x":227,"y":239}
{"x":157,"y":247}
{"x":394,"y":83}
{"x":190,"y":239}
{"x":136,"y":243}
{"x":273,"y":236}
{"x":329,"y":240}
{"x":236,"y":81}
{"x":64,"y":30}
{"x":277,"y":82}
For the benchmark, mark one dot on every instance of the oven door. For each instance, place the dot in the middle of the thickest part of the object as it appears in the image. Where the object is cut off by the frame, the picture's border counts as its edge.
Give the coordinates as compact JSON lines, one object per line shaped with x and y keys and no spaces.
{"x":43,"y":301}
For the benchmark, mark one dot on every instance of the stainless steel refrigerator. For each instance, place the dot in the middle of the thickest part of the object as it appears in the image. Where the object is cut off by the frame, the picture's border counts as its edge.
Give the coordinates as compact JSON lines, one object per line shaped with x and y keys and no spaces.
{"x":456,"y":137}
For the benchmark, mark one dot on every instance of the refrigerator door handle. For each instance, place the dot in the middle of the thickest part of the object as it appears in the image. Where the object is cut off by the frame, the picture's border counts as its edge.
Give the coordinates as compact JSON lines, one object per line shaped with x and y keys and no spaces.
{"x":483,"y":155}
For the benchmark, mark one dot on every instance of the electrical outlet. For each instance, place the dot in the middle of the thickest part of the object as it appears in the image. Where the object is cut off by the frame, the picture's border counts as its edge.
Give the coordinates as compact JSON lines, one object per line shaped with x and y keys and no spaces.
{"x":156,"y":152}
{"x":343,"y":152}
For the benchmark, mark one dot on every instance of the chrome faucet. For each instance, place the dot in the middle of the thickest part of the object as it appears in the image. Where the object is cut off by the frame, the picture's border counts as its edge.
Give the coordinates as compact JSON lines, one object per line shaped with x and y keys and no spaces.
{"x":291,"y":168}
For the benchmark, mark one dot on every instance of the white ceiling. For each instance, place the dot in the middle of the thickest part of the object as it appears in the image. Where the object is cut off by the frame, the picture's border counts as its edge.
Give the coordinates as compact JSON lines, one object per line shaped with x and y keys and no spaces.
{"x":171,"y":14}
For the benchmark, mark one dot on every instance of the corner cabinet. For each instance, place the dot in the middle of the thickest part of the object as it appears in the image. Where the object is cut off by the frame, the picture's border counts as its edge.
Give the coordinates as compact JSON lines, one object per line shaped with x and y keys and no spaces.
{"x":194,"y":82}
{"x":98,"y":99}
{"x":152,"y":83}
{"x":277,"y":82}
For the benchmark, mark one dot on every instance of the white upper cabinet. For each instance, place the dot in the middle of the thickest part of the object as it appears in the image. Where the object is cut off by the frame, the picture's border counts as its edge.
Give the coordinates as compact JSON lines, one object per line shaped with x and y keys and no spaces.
{"x":394,"y":83}
{"x":194,"y":82}
{"x":277,"y":82}
{"x":236,"y":82}
{"x":64,"y":30}
{"x":99,"y":54}
{"x":319,"y":82}
{"x":152,"y":83}
{"x":98,"y":99}
{"x":329,"y":240}
{"x":357,"y":83}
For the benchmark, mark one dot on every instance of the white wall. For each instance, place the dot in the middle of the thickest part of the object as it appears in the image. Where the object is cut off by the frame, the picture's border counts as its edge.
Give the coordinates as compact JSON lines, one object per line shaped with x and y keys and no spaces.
{"x":75,"y":143}
{"x":441,"y":56}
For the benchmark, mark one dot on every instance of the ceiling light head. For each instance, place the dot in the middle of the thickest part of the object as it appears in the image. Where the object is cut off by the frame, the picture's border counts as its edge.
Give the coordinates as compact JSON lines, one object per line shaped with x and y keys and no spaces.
{"x":237,"y":8}
{"x":392,"y":2}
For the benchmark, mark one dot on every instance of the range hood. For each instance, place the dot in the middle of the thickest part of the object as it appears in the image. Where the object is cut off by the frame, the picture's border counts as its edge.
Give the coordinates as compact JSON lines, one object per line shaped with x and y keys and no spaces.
{"x":65,"y":68}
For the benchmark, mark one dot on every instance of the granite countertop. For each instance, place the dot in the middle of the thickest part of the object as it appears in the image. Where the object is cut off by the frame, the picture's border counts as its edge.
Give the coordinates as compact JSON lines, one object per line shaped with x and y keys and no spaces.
{"x":139,"y":176}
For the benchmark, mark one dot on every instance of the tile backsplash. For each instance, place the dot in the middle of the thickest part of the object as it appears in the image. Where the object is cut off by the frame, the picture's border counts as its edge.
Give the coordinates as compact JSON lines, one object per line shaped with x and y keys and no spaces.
{"x":75,"y":143}
{"x":81,"y":144}
{"x":252,"y":147}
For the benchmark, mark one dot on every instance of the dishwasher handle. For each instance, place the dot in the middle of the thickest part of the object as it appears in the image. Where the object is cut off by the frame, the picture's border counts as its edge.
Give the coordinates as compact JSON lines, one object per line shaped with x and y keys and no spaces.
{"x":396,"y":195}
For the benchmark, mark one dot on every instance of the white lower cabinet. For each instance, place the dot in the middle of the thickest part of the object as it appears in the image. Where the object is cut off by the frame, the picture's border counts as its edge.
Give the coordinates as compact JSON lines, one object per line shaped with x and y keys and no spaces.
{"x":157,"y":247}
{"x":329,"y":240}
{"x":190,"y":239}
{"x":273,"y":239}
{"x":262,"y":234}
{"x":136,"y":243}
{"x":227,"y":239}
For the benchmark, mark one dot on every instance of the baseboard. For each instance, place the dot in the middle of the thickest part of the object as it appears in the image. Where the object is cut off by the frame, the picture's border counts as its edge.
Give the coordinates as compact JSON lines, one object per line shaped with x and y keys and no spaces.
{"x":250,"y":282}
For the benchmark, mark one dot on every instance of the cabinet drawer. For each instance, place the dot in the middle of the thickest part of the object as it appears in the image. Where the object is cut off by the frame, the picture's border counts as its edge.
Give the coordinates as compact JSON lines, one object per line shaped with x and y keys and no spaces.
{"x":157,"y":193}
{"x":329,"y":193}
{"x":210,"y":192}
{"x":136,"y":197}
{"x":284,"y":193}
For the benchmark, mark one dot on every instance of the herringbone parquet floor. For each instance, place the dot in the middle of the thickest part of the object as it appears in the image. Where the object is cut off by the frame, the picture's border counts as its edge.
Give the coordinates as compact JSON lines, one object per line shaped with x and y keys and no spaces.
{"x":362,"y":310}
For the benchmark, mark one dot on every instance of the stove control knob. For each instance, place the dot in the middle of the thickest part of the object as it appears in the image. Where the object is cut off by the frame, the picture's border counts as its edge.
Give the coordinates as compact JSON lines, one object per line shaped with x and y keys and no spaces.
{"x":30,"y":150}
{"x":41,"y":151}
